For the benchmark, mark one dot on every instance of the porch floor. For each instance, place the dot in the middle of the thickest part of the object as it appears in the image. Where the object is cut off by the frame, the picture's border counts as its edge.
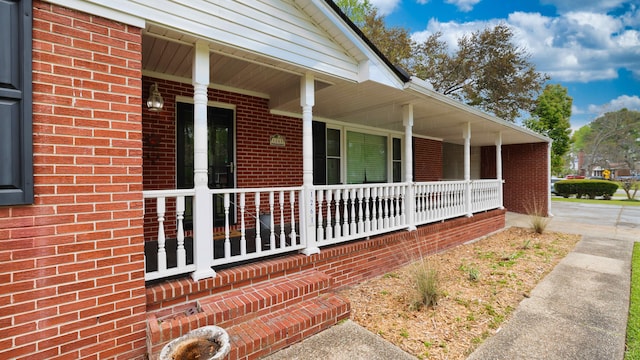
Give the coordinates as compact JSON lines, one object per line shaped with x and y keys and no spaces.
{"x":171,"y":245}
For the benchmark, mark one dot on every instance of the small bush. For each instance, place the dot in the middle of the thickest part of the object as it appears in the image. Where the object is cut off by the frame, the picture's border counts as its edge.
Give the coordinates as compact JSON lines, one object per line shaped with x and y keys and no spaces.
{"x":586,"y":188}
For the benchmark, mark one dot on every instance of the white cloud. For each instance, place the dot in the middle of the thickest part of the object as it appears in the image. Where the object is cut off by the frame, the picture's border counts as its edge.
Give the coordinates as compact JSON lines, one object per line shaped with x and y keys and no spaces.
{"x":463,"y":5}
{"x":576,"y":46}
{"x":621,"y":102}
{"x":385,"y":7}
{"x":584,"y":5}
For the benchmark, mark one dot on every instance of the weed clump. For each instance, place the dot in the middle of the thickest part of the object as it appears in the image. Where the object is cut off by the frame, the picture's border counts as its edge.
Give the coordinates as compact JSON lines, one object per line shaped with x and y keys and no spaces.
{"x":426,"y":285}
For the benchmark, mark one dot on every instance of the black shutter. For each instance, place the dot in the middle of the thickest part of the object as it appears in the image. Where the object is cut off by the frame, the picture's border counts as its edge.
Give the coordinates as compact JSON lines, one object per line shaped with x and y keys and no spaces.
{"x":319,"y":153}
{"x":16,"y":153}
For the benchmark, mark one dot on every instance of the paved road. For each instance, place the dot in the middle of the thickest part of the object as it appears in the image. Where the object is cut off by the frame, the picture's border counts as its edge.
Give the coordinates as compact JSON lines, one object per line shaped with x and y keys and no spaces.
{"x":620,"y":222}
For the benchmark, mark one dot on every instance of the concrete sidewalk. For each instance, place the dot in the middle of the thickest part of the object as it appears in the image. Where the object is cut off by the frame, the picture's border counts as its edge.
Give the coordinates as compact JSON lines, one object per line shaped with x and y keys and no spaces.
{"x":578,"y":311}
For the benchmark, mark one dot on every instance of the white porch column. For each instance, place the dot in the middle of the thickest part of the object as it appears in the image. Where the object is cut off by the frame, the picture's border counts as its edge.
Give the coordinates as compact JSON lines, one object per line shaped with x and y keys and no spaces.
{"x":499,"y":166}
{"x":466,"y":134}
{"x":407,"y":121}
{"x":308,"y":203}
{"x":202,"y":201}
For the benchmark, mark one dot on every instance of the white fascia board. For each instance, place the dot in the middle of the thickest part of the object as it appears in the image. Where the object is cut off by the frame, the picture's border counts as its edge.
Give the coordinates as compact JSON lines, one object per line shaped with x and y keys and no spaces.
{"x":107,"y":11}
{"x":373,"y":68}
{"x":425,"y":88}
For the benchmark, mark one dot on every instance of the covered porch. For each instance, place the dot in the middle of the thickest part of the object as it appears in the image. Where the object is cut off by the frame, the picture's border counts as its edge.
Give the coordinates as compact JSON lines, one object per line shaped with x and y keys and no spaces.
{"x":252,"y":157}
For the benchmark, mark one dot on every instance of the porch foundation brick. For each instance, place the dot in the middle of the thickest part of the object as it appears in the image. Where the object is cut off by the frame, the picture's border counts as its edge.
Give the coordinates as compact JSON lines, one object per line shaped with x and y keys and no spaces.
{"x":271,"y":304}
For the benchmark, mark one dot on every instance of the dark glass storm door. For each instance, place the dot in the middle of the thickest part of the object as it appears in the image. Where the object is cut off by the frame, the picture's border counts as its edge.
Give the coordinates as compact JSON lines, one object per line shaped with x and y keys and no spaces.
{"x":220,"y":155}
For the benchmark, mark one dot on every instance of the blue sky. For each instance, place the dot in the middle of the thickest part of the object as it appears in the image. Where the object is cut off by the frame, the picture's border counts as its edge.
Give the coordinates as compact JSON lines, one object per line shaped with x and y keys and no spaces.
{"x":591,"y":47}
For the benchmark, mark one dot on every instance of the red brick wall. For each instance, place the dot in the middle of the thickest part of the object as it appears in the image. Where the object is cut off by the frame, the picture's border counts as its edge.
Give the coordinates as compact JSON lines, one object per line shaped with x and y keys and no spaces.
{"x":72,"y":274}
{"x":526,"y":175}
{"x":427,"y":158}
{"x":258,"y":163}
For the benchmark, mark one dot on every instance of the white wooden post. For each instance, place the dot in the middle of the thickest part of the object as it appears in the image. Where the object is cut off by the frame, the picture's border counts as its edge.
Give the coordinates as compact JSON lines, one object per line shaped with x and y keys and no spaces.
{"x":202,"y":201}
{"x":466,"y":134}
{"x":499,"y":167}
{"x":410,"y":201}
{"x":308,"y":203}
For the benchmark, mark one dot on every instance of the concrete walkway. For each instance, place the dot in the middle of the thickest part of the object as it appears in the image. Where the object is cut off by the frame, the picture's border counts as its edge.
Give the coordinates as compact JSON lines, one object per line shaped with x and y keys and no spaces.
{"x":578,"y":311}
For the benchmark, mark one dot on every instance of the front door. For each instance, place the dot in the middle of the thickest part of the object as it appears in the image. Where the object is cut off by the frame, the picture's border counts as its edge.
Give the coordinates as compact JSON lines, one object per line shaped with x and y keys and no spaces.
{"x":220,"y":154}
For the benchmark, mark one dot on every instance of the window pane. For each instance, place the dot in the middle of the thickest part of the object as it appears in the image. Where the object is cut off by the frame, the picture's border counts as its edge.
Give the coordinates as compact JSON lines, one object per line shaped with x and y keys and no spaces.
{"x":397,"y":150}
{"x":366,"y":158}
{"x":397,"y":171}
{"x":333,"y":142}
{"x":333,"y":171}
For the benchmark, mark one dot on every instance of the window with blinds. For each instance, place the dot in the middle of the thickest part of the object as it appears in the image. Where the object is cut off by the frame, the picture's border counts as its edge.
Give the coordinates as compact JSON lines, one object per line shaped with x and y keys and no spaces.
{"x":366,"y":158}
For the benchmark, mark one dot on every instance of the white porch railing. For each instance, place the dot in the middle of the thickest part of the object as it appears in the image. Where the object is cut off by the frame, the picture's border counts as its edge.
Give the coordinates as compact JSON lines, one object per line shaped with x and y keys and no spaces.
{"x":257,"y":223}
{"x":162,"y":270}
{"x":485,"y":195}
{"x":439,"y":200}
{"x":356,"y":211}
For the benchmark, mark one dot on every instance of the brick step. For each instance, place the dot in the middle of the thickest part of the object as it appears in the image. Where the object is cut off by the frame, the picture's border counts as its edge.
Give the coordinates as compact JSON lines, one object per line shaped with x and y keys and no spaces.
{"x":271,"y":332}
{"x":239,"y":305}
{"x":236,"y":306}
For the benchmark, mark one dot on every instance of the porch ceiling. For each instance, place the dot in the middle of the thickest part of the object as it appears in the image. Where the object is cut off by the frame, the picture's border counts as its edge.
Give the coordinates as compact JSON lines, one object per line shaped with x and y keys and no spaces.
{"x":168,"y":54}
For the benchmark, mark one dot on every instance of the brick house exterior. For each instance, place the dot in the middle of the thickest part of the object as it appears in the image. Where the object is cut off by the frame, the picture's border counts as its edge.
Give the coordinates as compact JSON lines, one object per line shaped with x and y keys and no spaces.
{"x":73,"y":281}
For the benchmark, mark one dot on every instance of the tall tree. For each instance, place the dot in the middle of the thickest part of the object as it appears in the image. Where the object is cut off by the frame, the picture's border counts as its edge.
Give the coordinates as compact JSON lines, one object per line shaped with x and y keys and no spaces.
{"x":487,"y":71}
{"x":551,"y":118}
{"x":614,"y":138}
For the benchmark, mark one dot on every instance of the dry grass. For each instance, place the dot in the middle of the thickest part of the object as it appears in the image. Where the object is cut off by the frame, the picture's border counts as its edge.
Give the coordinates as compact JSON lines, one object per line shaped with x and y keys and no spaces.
{"x":480,"y":284}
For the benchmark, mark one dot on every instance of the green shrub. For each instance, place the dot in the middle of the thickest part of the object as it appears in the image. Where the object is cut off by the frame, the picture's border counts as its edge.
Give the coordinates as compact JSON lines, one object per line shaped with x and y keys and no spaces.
{"x":586,"y":188}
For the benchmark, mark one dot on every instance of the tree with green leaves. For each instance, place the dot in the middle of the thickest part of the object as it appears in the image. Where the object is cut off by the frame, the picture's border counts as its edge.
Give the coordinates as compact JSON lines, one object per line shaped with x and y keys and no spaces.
{"x":613,"y":138}
{"x":487,"y":71}
{"x":550,"y":117}
{"x":356,"y":10}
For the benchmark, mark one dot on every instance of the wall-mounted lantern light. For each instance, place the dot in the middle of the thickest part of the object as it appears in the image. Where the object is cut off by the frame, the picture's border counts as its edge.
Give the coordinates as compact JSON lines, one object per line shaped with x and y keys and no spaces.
{"x":155,"y":102}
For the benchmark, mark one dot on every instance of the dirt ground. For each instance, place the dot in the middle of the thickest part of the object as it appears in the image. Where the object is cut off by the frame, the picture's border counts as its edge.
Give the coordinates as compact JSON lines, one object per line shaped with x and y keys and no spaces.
{"x":479,"y":286}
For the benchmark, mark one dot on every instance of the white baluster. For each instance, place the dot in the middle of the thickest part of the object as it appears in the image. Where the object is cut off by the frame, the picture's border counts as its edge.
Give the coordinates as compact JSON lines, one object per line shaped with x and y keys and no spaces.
{"x":353,"y":225}
{"x":162,"y":252}
{"x":386,"y":207}
{"x":367,"y":212}
{"x":344,"y":196}
{"x":283,"y":237}
{"x":330,"y":222}
{"x":394,"y":206}
{"x":181,"y":252}
{"x":402,"y":192}
{"x":227,"y":241}
{"x":339,"y":208}
{"x":374,"y":208}
{"x":319,"y":228}
{"x":243,"y":240}
{"x":292,"y":201}
{"x":258,"y":239}
{"x":360,"y":193}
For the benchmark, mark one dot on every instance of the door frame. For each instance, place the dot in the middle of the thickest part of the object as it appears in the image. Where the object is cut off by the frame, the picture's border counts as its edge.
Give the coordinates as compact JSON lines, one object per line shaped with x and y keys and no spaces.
{"x":216,"y":104}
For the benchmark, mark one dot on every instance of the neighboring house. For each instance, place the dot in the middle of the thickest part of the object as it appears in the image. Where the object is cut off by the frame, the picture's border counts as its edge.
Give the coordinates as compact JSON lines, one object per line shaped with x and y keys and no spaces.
{"x":289,"y":158}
